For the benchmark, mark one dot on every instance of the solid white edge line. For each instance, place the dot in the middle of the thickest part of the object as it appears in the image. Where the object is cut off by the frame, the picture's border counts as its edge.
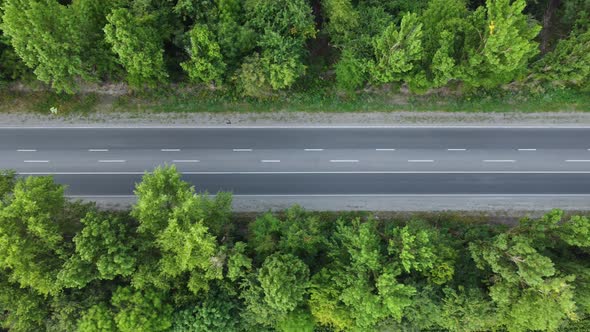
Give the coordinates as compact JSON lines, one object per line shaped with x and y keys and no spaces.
{"x":577,"y":161}
{"x":305,"y":127}
{"x":26,"y":150}
{"x":35,"y":161}
{"x":456,"y":149}
{"x":98,"y":150}
{"x":420,"y":161}
{"x":170,"y":150}
{"x":242,"y":150}
{"x":311,"y":172}
{"x":527,"y":149}
{"x":344,"y":161}
{"x":499,"y":161}
{"x":384,"y":149}
{"x":186,"y":161}
{"x":270,"y":161}
{"x":112,"y":161}
{"x":361,"y":195}
{"x":313,"y":150}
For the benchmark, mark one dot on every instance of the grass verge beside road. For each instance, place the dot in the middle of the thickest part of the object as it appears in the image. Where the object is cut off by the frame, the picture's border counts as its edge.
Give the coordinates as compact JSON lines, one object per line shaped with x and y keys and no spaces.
{"x":206,"y":101}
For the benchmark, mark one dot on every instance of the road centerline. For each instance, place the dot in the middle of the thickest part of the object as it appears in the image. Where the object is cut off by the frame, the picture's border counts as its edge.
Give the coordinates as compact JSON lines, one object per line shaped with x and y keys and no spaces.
{"x":36,"y":161}
{"x":242,"y":150}
{"x":527,"y":149}
{"x":186,"y":161}
{"x":420,"y":161}
{"x":499,"y":161}
{"x":26,"y":150}
{"x":270,"y":161}
{"x":98,"y":150}
{"x":112,"y":161}
{"x":170,"y":150}
{"x":344,"y":161}
{"x":456,"y":149}
{"x":577,"y":161}
{"x":313,"y":150}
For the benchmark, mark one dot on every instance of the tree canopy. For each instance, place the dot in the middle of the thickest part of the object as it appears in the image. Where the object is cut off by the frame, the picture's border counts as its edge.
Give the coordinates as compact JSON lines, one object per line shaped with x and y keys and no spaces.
{"x":258,"y":48}
{"x":173,"y":263}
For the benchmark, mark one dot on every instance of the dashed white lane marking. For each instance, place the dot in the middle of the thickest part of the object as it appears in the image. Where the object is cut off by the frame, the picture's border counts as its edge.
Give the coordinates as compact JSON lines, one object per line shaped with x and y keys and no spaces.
{"x":112,"y":161}
{"x":98,"y":150}
{"x":186,"y":161}
{"x":499,"y":161}
{"x":577,"y":161}
{"x":242,"y":150}
{"x":170,"y":150}
{"x":344,"y":161}
{"x":270,"y":161}
{"x":527,"y":149}
{"x":384,"y":149}
{"x":313,"y":150}
{"x":36,"y":161}
{"x":456,"y":149}
{"x":26,"y":150}
{"x":420,"y":161}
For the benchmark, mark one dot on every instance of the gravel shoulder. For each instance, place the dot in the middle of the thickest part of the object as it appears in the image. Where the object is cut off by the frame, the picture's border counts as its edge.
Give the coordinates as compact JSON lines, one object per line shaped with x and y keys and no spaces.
{"x":508,"y":207}
{"x":111,"y":119}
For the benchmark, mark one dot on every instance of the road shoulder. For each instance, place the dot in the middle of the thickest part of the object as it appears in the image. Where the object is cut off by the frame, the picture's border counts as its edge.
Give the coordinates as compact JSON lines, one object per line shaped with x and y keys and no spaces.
{"x":304,"y":119}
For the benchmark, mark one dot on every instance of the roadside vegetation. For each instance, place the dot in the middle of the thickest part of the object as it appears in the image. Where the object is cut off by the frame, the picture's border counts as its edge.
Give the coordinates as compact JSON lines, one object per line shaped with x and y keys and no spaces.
{"x":181,"y":261}
{"x":332,"y":55}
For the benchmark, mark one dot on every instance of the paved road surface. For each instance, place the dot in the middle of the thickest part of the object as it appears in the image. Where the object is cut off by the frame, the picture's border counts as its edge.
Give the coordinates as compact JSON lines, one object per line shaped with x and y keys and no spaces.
{"x":344,"y":161}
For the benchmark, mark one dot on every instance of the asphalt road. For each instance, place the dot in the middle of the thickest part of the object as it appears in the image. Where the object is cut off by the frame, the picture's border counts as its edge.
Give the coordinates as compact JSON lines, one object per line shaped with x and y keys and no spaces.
{"x":320,"y":161}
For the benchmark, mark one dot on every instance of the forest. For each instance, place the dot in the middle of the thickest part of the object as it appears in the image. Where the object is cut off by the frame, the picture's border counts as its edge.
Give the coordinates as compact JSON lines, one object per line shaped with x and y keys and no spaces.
{"x":182,"y":261}
{"x":260,"y":48}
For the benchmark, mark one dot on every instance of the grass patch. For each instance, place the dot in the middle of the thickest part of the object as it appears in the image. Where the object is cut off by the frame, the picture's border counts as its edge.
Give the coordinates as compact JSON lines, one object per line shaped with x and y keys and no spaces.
{"x":553,"y":101}
{"x":194,"y":101}
{"x":41,"y":102}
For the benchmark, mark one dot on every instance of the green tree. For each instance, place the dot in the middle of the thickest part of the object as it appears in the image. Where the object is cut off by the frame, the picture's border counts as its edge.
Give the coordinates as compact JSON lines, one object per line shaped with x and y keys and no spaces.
{"x":62,"y":44}
{"x":398,"y":51}
{"x":32,"y":225}
{"x":22,"y":308}
{"x":145,"y":310}
{"x":528,"y":290}
{"x":280,"y":287}
{"x":42,"y":35}
{"x":423,"y":249}
{"x":351,"y":72}
{"x":138,"y":44}
{"x":170,"y":217}
{"x":98,"y":318}
{"x":206,"y":61}
{"x":568,"y":65}
{"x":359,"y":288}
{"x":105,"y":249}
{"x":217,"y":313}
{"x":7,"y":182}
{"x":283,"y":28}
{"x":506,"y":47}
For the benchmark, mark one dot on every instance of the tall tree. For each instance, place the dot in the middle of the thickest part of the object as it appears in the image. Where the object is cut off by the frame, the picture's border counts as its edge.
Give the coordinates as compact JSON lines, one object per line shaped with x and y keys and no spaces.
{"x":138,"y":43}
{"x":506,"y":47}
{"x":170,"y":217}
{"x":32,"y":228}
{"x":280,"y":287}
{"x":283,"y":28}
{"x":206,"y":61}
{"x":63,"y":44}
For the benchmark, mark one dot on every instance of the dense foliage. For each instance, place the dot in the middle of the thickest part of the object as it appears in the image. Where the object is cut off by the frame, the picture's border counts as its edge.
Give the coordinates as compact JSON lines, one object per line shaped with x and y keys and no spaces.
{"x":260,"y":47}
{"x":179,"y":261}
